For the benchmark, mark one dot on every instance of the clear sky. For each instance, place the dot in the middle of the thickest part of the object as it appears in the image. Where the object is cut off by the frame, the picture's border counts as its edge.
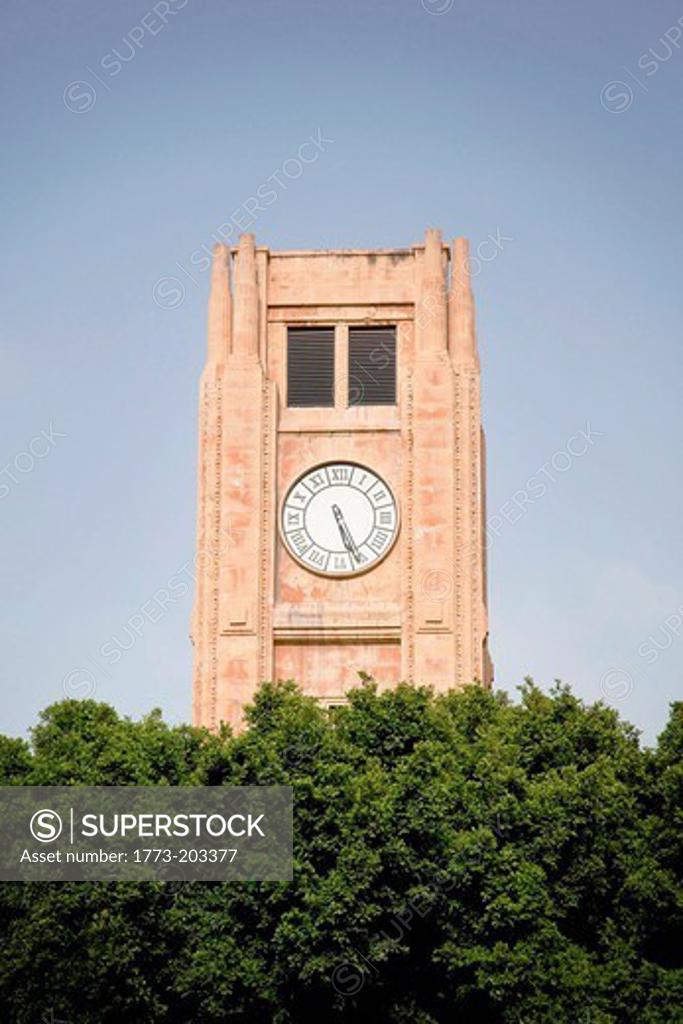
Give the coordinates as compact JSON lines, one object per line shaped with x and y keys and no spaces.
{"x":132,"y":131}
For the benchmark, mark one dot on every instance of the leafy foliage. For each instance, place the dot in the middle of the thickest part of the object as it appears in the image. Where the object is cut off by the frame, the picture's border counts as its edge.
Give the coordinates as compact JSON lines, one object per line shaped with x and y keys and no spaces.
{"x":458,"y":857}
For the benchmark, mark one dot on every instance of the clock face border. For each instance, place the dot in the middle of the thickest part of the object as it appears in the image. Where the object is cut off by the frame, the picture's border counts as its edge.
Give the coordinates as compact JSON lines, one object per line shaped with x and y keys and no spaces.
{"x":353,"y":572}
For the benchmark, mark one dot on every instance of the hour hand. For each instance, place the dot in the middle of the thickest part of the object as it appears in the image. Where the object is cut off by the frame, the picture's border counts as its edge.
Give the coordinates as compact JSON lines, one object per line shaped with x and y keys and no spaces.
{"x":347,"y":539}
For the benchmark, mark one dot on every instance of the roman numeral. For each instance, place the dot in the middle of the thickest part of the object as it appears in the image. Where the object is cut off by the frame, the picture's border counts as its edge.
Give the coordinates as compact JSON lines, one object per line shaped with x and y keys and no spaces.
{"x":317,"y":557}
{"x":378,"y":540}
{"x":316,"y":481}
{"x":300,"y":540}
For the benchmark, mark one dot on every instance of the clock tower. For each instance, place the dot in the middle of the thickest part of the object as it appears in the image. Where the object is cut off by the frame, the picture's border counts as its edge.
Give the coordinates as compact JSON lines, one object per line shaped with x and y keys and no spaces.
{"x":341,"y":492}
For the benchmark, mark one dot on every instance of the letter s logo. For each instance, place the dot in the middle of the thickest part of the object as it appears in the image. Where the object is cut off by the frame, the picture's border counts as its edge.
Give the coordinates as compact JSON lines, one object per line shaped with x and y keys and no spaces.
{"x":46,"y":825}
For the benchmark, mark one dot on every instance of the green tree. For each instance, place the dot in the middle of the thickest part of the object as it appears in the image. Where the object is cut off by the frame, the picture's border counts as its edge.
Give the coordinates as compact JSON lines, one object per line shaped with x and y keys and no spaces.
{"x":457,"y":858}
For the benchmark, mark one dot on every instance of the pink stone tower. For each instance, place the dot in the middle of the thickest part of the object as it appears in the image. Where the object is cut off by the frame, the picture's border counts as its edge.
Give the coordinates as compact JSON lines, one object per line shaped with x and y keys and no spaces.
{"x":341,"y":493}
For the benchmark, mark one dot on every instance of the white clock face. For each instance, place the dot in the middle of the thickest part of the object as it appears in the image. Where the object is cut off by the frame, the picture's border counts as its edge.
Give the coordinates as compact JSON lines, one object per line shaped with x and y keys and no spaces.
{"x":339,"y":519}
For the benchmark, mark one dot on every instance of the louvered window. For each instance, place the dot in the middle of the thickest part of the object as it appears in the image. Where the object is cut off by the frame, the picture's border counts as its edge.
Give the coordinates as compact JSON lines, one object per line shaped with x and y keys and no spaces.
{"x":372,"y":366}
{"x":310,"y":366}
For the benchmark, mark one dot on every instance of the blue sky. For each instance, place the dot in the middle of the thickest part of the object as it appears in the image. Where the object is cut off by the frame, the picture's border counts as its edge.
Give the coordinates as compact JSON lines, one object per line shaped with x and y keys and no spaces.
{"x":130,"y":134}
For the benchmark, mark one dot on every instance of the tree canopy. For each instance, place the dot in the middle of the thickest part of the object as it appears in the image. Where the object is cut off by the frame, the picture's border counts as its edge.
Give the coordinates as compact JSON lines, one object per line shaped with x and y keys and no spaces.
{"x":459,"y":857}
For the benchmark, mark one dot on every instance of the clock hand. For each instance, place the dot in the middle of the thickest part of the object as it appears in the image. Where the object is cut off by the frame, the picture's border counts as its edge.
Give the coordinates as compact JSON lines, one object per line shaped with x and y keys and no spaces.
{"x":346,"y":537}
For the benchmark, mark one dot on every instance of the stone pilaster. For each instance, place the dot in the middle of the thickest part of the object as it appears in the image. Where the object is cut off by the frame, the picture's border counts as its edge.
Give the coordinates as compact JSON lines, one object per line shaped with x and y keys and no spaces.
{"x":469,"y":522}
{"x":204,"y":629}
{"x":246,"y":326}
{"x":431,"y":512}
{"x":247,"y":505}
{"x":231,"y":626}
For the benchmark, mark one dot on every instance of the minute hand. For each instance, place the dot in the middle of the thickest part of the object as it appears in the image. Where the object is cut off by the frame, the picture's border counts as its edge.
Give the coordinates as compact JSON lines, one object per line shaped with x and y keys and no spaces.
{"x":346,"y":537}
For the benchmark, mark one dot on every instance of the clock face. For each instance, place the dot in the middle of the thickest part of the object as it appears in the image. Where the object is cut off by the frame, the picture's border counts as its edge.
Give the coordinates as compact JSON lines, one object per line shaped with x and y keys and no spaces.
{"x":339,"y":519}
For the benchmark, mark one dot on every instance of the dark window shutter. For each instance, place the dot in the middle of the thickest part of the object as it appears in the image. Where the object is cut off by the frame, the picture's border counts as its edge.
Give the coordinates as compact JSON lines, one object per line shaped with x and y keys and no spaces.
{"x":372,"y":366}
{"x":310,"y":366}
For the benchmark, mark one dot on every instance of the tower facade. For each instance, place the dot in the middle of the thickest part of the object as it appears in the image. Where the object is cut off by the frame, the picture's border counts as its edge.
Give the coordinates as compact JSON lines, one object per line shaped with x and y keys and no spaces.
{"x":341,"y":480}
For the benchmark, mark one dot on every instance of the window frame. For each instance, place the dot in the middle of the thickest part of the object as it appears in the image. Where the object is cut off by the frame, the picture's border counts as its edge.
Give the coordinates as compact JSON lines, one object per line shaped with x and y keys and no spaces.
{"x":303,"y":329}
{"x":368,"y":330}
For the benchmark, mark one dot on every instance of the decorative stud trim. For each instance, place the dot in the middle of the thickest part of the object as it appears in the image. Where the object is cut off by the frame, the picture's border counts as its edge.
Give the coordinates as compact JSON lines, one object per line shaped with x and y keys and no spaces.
{"x":267,"y":529}
{"x":409,"y":634}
